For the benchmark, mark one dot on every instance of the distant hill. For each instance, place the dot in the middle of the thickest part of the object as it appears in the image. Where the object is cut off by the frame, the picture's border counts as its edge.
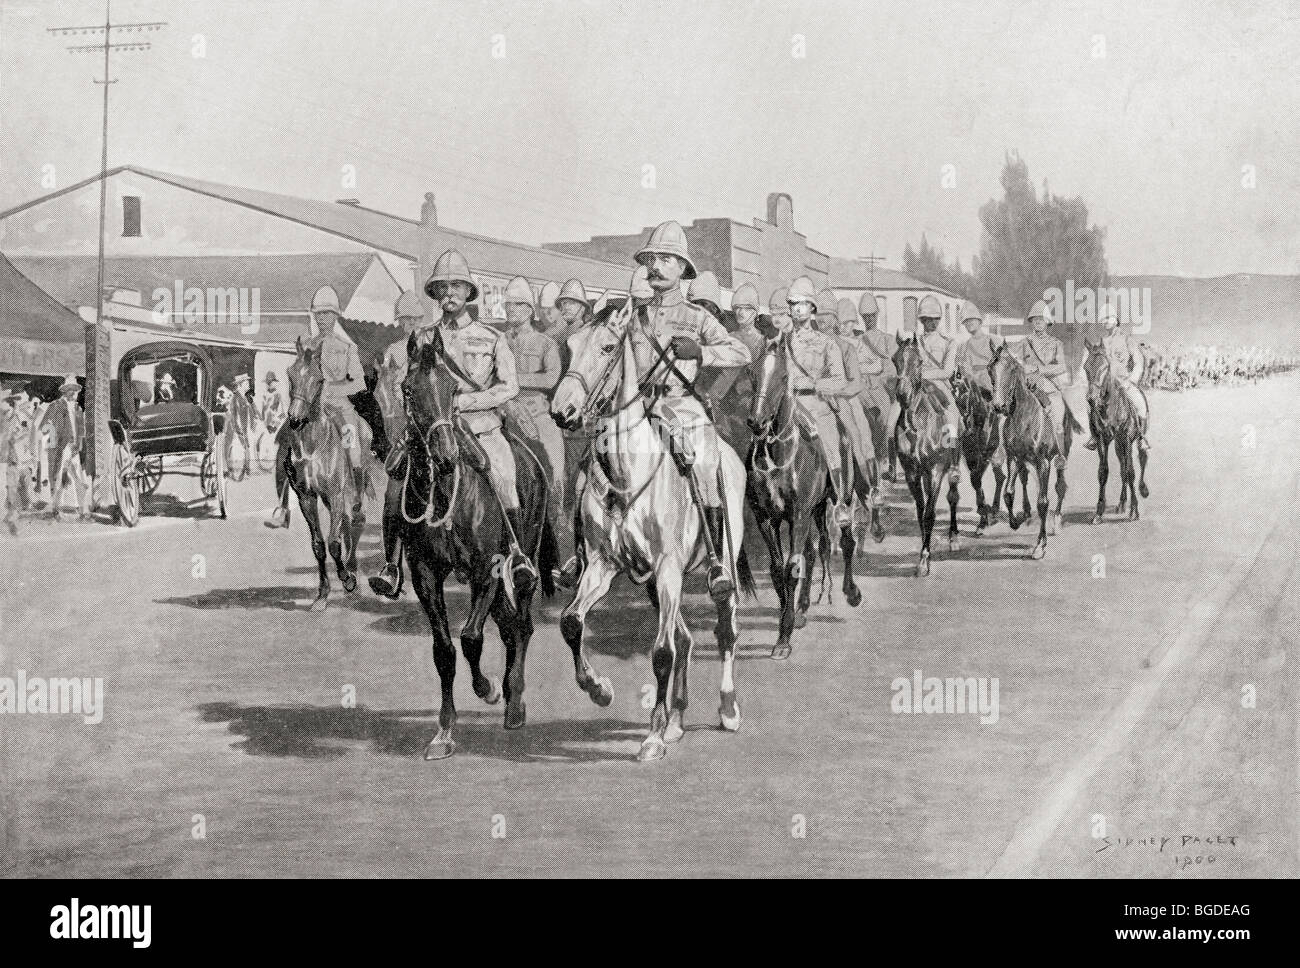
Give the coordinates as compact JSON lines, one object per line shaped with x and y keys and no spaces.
{"x":1241,"y":309}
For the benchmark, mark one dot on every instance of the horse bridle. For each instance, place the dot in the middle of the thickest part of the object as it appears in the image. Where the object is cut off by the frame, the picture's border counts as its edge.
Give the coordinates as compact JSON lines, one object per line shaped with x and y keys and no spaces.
{"x":780,"y":437}
{"x":425,"y":437}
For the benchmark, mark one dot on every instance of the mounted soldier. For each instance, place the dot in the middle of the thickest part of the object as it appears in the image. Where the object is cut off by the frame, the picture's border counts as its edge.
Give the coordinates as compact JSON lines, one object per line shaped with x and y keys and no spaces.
{"x":1127,"y":364}
{"x":673,"y":340}
{"x":976,"y":353}
{"x":876,"y":350}
{"x":574,"y":307}
{"x":1043,"y":356}
{"x":848,"y":403}
{"x":818,"y":378}
{"x":939,"y":363}
{"x":483,"y":364}
{"x":409,"y":314}
{"x":547,"y":314}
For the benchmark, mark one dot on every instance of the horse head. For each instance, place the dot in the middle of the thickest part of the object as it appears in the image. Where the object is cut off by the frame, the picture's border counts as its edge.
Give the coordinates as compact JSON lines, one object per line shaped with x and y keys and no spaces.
{"x":388,"y":396}
{"x":429,"y":393}
{"x":587,"y":387}
{"x":1097,"y":368}
{"x":773,"y":384}
{"x":1007,"y":375}
{"x":306,"y":381}
{"x":907,"y":363}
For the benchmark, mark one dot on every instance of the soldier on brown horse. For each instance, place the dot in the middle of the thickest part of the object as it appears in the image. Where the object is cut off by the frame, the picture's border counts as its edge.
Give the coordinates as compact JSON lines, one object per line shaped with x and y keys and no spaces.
{"x":981,"y":440}
{"x":1114,"y":420}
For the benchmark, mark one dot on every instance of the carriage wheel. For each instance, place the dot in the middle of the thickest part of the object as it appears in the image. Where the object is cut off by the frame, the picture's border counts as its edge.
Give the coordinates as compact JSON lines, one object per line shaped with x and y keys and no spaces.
{"x":220,"y":475}
{"x":207,"y":476}
{"x":266,"y":450}
{"x":126,"y":486}
{"x":151,"y":472}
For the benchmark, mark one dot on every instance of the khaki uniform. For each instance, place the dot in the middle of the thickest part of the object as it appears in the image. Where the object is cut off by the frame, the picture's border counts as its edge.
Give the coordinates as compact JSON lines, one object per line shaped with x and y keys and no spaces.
{"x":876,"y":363}
{"x":1045,"y":356}
{"x":818,"y":374}
{"x":396,"y":352}
{"x":666,"y":316}
{"x":537,"y":369}
{"x":485,"y":357}
{"x":341,"y":367}
{"x":848,"y":405}
{"x":974,"y":357}
{"x":1127,"y":364}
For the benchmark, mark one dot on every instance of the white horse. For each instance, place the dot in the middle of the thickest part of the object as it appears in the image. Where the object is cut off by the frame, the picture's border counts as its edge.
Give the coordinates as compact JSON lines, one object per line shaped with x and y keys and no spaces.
{"x":638,"y":518}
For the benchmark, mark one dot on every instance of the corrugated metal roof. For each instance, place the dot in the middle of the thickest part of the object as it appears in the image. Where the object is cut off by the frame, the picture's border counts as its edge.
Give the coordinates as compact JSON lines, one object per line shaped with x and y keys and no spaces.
{"x":28,"y":312}
{"x":285,"y":282}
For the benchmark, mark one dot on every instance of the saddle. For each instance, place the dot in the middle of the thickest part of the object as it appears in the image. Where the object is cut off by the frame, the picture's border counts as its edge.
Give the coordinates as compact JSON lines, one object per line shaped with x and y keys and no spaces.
{"x":680,"y":446}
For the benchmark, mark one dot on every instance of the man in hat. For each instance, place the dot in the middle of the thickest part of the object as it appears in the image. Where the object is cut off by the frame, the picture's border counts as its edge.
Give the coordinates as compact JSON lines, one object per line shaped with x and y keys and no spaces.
{"x":408,"y":313}
{"x":818,"y":378}
{"x":828,"y":320}
{"x":673,"y":340}
{"x":705,"y":292}
{"x":547,"y":313}
{"x":1044,"y":359}
{"x":847,"y":404}
{"x":938,"y":364}
{"x":65,"y":426}
{"x":166,"y":389}
{"x":11,"y":430}
{"x":244,"y":386}
{"x":1127,"y":365}
{"x":273,"y":405}
{"x":875,"y":350}
{"x":341,"y":365}
{"x":574,"y":308}
{"x":484,"y":356}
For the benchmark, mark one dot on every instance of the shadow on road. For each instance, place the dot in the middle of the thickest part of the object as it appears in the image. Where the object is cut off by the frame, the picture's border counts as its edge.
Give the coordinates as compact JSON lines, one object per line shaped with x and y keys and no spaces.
{"x":330,"y":732}
{"x":286,"y":598}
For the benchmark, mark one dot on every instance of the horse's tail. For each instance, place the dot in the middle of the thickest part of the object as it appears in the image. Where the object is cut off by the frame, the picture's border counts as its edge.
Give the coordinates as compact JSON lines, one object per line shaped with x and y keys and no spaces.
{"x":745,"y":576}
{"x":548,"y":557}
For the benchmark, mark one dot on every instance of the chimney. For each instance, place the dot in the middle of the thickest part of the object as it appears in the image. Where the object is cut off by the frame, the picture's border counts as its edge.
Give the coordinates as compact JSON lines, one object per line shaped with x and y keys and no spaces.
{"x":429,"y":210}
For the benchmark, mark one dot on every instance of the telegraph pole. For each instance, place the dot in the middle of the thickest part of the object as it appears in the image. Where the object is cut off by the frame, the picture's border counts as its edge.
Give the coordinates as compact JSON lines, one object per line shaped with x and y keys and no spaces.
{"x":99,"y":334}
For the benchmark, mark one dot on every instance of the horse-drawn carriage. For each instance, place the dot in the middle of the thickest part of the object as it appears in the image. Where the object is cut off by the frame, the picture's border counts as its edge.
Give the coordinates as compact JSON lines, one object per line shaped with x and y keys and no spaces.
{"x":163,"y":409}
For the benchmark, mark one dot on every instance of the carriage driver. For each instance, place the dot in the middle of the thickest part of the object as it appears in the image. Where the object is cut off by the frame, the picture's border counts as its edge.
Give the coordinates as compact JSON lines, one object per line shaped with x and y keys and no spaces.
{"x":676,"y":339}
{"x":1126,"y":365}
{"x":1043,"y":356}
{"x":484,"y":356}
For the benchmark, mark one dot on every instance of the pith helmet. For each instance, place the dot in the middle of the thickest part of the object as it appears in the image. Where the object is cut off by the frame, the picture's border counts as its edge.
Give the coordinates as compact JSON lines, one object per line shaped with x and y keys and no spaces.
{"x":1040,"y":308}
{"x":519,"y":291}
{"x":668,"y":239}
{"x":1108,"y":312}
{"x":70,"y":382}
{"x":777,"y":304}
{"x":704,"y":286}
{"x":326,"y":299}
{"x":408,"y":306}
{"x":845,"y":311}
{"x":827,"y":304}
{"x":929,"y":309}
{"x":451,"y":267}
{"x":550,"y":292}
{"x":801,"y":290}
{"x":639,"y":287}
{"x":867,"y":305}
{"x":746,"y":295}
{"x":970,"y":311}
{"x":573,"y":289}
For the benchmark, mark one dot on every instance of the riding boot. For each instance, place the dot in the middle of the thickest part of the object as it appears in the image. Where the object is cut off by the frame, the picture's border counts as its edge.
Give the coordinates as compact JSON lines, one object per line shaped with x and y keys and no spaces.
{"x":1091,"y":443}
{"x":520,"y":564}
{"x":359,"y":481}
{"x":719,"y":581}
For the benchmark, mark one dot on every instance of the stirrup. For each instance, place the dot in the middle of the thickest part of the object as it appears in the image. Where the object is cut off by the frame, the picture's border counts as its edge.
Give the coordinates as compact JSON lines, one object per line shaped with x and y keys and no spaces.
{"x":721,"y":587}
{"x":521,"y":563}
{"x":567,"y":577}
{"x":1091,"y":443}
{"x":843,"y":514}
{"x":388,"y":582}
{"x":279,"y":518}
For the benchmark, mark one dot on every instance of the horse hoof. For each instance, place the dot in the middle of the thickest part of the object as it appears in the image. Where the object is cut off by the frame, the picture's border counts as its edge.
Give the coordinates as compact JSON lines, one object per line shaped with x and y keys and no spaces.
{"x":1051,"y":525}
{"x":877,"y":534}
{"x":491,"y":695}
{"x":1096,"y":519}
{"x":439,"y":748}
{"x":954,"y":544}
{"x":781,"y":651}
{"x":319,"y":604}
{"x":1014,"y":523}
{"x":652,"y":749}
{"x":349,"y":583}
{"x":1142,"y":489}
{"x":516,"y":715}
{"x":854,"y":597}
{"x":601,"y":691}
{"x":923,"y":568}
{"x":1038,"y":552}
{"x":674,"y":732}
{"x":1133,"y":515}
{"x":729,"y":712}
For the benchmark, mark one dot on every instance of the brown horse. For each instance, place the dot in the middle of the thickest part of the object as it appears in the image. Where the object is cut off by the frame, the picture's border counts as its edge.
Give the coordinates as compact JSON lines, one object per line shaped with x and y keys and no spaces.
{"x":981,"y":441}
{"x":1113,"y":421}
{"x":927,"y":447}
{"x":1031,"y":442}
{"x":313,"y":461}
{"x":452,"y":523}
{"x":787,"y":483}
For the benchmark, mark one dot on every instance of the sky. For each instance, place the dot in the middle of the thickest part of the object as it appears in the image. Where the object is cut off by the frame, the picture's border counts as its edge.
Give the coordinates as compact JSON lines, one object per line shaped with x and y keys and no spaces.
{"x":554,"y":120}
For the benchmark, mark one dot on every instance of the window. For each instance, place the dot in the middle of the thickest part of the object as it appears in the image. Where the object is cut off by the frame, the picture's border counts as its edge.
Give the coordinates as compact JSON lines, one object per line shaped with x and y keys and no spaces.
{"x":947,"y":318}
{"x":909,"y":314}
{"x":130,"y":216}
